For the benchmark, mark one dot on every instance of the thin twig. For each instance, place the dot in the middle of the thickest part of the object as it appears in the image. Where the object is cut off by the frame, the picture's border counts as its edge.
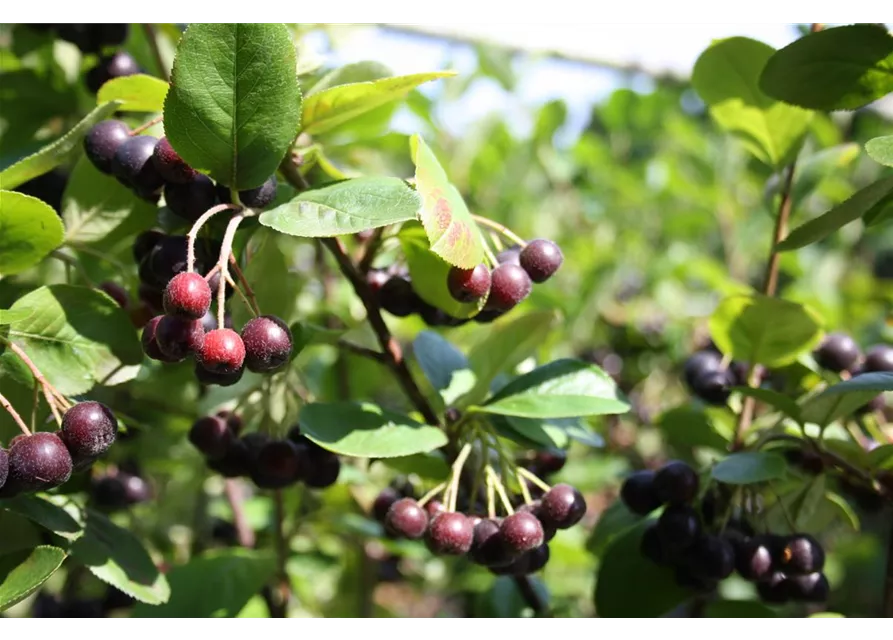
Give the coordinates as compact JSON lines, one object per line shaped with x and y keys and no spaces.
{"x":196,"y":227}
{"x":370,"y":250}
{"x":49,"y":391}
{"x":234,"y":495}
{"x":246,"y":287}
{"x":151,"y":123}
{"x":156,"y":52}
{"x":372,"y":354}
{"x":501,"y":228}
{"x":6,"y":404}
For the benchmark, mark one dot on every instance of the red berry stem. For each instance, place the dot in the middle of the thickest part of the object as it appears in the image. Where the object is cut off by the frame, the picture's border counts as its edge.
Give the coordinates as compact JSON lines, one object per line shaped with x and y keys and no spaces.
{"x":143,"y":127}
{"x":193,"y":232}
{"x":50,"y":393}
{"x":15,"y":415}
{"x":505,"y":231}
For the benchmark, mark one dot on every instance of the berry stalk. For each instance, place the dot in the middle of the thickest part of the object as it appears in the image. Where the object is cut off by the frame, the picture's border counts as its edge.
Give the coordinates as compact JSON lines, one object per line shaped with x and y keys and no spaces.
{"x":193,"y":232}
{"x":225,"y":253}
{"x":15,"y":415}
{"x":143,"y":127}
{"x":501,"y":228}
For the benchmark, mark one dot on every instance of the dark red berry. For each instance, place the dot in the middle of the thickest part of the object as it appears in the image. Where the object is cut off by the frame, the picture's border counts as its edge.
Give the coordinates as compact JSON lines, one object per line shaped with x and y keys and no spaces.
{"x":170,"y":165}
{"x":678,"y":527}
{"x":190,"y":200}
{"x":541,"y":259}
{"x":103,"y":140}
{"x":512,"y":255}
{"x":322,"y":471}
{"x":89,"y":429}
{"x":4,"y":466}
{"x":812,"y":587}
{"x":838,"y":352}
{"x":433,"y":507}
{"x":521,"y":532}
{"x":775,"y":589}
{"x":753,"y":560}
{"x":878,"y":358}
{"x":487,"y":546}
{"x":187,"y":295}
{"x":178,"y":337}
{"x":150,"y":345}
{"x":801,"y":555}
{"x":450,"y":533}
{"x":233,"y":421}
{"x":38,"y":462}
{"x":562,"y":507}
{"x":469,"y":285}
{"x":218,"y":379}
{"x":509,"y":285}
{"x":406,"y":518}
{"x":268,"y":343}
{"x":549,"y":461}
{"x":261,"y":196}
{"x":398,"y":298}
{"x":223,"y":352}
{"x":383,"y":502}
{"x":117,"y":293}
{"x":278,"y":464}
{"x":676,"y":482}
{"x":133,"y":166}
{"x":236,"y":461}
{"x":212,"y":436}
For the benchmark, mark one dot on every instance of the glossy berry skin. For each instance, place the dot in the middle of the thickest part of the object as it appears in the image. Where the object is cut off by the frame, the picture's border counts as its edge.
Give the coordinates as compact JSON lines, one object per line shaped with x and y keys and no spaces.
{"x":521,"y":532}
{"x":261,"y":196}
{"x":103,"y":140}
{"x":4,"y":466}
{"x":190,"y":200}
{"x":235,"y":462}
{"x":801,"y":555}
{"x":144,"y":243}
{"x":212,"y":436}
{"x":676,"y":482}
{"x":178,"y":338}
{"x":512,"y":255}
{"x":188,"y":296}
{"x":278,"y":464}
{"x":469,"y":285}
{"x":132,"y":163}
{"x":450,"y":533}
{"x":398,"y":298}
{"x":652,"y":548}
{"x":878,"y":358}
{"x":812,"y":587}
{"x":136,"y":489}
{"x":753,"y":560}
{"x":407,"y":519}
{"x":487,"y":546}
{"x":109,"y":67}
{"x":89,"y":429}
{"x":713,"y":387}
{"x":223,"y":352}
{"x":150,"y":345}
{"x":218,"y":379}
{"x":38,"y":462}
{"x":700,"y":363}
{"x":117,"y":293}
{"x":322,"y":471}
{"x":383,"y":502}
{"x":775,"y":589}
{"x":268,"y":343}
{"x":838,"y":352}
{"x":638,"y":493}
{"x":712,"y":558}
{"x":509,"y":285}
{"x":562,"y":507}
{"x":170,"y":165}
{"x":550,"y":461}
{"x":678,"y":527}
{"x":541,"y":259}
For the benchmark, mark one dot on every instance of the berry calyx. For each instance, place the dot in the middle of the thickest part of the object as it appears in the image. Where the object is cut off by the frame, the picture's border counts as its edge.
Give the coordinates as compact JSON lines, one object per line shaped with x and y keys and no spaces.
{"x":212,"y":436}
{"x":837,"y":352}
{"x":102,"y":142}
{"x":521,"y":532}
{"x":469,"y":285}
{"x":223,"y":352}
{"x":187,"y":295}
{"x":170,"y":165}
{"x":178,"y":337}
{"x":261,"y":196}
{"x":268,"y":343}
{"x":676,"y":482}
{"x":541,"y":259}
{"x":407,"y":519}
{"x":38,"y":462}
{"x":562,"y":507}
{"x":509,"y":285}
{"x":450,"y":533}
{"x":89,"y":429}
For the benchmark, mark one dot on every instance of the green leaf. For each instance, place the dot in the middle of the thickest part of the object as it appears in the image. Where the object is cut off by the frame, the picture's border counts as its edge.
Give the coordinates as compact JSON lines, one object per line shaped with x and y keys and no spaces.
{"x":324,"y":110}
{"x":22,"y":572}
{"x":8,"y":317}
{"x":613,"y":521}
{"x":95,"y":204}
{"x":365,"y":430}
{"x":688,"y":427}
{"x":48,"y":515}
{"x":853,"y":208}
{"x":844,"y":510}
{"x":268,"y":270}
{"x":749,"y":467}
{"x":438,"y":358}
{"x":726,"y":77}
{"x":234,"y":105}
{"x":881,"y":457}
{"x":57,"y":153}
{"x":216,"y":584}
{"x":117,"y":557}
{"x":431,"y":466}
{"x":843,"y":398}
{"x":75,"y":335}
{"x":760,"y":329}
{"x":774,"y":399}
{"x":139,"y":92}
{"x":738,"y":609}
{"x":833,"y":69}
{"x":363,"y":71}
{"x":631,"y":586}
{"x":452,"y":232}
{"x":429,"y":272}
{"x":809,"y":503}
{"x":564,"y":388}
{"x":881,"y":150}
{"x":349,"y":206}
{"x":29,"y":230}
{"x":551,"y":433}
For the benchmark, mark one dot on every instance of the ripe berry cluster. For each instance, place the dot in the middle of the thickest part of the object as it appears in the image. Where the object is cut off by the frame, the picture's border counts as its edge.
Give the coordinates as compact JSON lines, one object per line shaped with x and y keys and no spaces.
{"x":839,"y":353}
{"x":118,"y":489}
{"x":271,"y":463}
{"x":709,"y":379}
{"x":392,"y":288}
{"x":513,"y":545}
{"x":102,"y":39}
{"x":45,"y":460}
{"x":784,"y":568}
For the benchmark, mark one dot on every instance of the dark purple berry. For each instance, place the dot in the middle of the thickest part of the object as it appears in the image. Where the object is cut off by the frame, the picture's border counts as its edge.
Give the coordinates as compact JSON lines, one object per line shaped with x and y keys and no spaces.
{"x":838,"y":352}
{"x":278,"y":464}
{"x":541,"y":259}
{"x":89,"y":429}
{"x":212,"y":436}
{"x":775,"y":588}
{"x":223,"y":352}
{"x":652,"y":548}
{"x":638,"y":493}
{"x":322,"y":471}
{"x":676,"y":482}
{"x":132,"y":163}
{"x":878,"y":358}
{"x":712,"y":558}
{"x":713,"y":387}
{"x":753,"y":559}
{"x":4,"y":466}
{"x":38,"y":462}
{"x":170,"y":165}
{"x":117,"y":293}
{"x":102,"y":142}
{"x":268,"y":343}
{"x":509,"y":285}
{"x":383,"y":502}
{"x":233,"y":421}
{"x":261,"y":196}
{"x":469,"y":285}
{"x":219,"y":379}
{"x":487,"y":546}
{"x":534,"y":560}
{"x":801,"y":555}
{"x":150,"y":345}
{"x":108,"y":493}
{"x":512,"y":255}
{"x":192,"y":199}
{"x":701,"y":363}
{"x":549,"y":461}
{"x":812,"y":587}
{"x":136,"y":489}
{"x":678,"y":527}
{"x":521,"y":532}
{"x":450,"y":533}
{"x":110,"y":67}
{"x":398,"y":298}
{"x":178,"y":338}
{"x":685,"y":578}
{"x":407,"y":519}
{"x":562,"y":507}
{"x":236,"y":461}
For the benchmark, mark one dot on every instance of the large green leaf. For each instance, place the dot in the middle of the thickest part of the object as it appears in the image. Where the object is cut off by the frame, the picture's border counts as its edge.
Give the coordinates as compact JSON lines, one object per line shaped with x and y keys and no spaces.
{"x":750,"y":467}
{"x":363,"y":71}
{"x":216,"y":584}
{"x":349,"y":206}
{"x":55,"y":154}
{"x":612,"y":522}
{"x":29,"y":230}
{"x":726,"y":77}
{"x":881,"y":150}
{"x":438,"y":358}
{"x":564,"y":388}
{"x":429,"y":273}
{"x":139,"y":92}
{"x":326,"y":109}
{"x":452,"y":232}
{"x":843,"y":398}
{"x":22,"y":572}
{"x":760,"y":329}
{"x":66,"y":523}
{"x":840,"y":68}
{"x":689,"y":426}
{"x":75,"y":335}
{"x":365,"y":430}
{"x":234,"y":105}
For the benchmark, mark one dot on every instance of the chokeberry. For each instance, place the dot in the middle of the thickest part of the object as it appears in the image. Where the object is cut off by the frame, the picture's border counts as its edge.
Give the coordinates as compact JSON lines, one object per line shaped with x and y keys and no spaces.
{"x":775,"y":588}
{"x":753,"y":560}
{"x":521,"y":532}
{"x":383,"y":502}
{"x":108,"y":493}
{"x":212,"y":436}
{"x":713,"y":387}
{"x":512,"y":255}
{"x":534,"y":560}
{"x":878,"y":358}
{"x":469,"y":285}
{"x":170,"y":165}
{"x":116,"y":292}
{"x":812,"y":587}
{"x":167,"y":259}
{"x":136,"y":489}
{"x":541,"y":259}
{"x":235,"y":462}
{"x":132,"y":163}
{"x":651,"y":546}
{"x":219,"y":379}
{"x":450,"y":533}
{"x":406,"y":518}
{"x":223,"y":352}
{"x":261,"y":196}
{"x":89,"y":429}
{"x":268,"y":343}
{"x":679,"y":528}
{"x":509,"y":285}
{"x":838,"y":352}
{"x":676,"y":482}
{"x":102,"y":142}
{"x":108,"y":68}
{"x":562,"y":507}
{"x":150,"y":345}
{"x":278,"y":464}
{"x":187,"y":295}
{"x":712,"y":558}
{"x":4,"y":466}
{"x":487,"y":546}
{"x":638,"y":493}
{"x":38,"y":462}
{"x":178,"y":338}
{"x":233,"y":420}
{"x":48,"y":187}
{"x":191,"y":199}
{"x":322,"y":471}
{"x":801,"y":554}
{"x":700,"y":363}
{"x":549,"y":461}
{"x":398,"y":298}
{"x":433,"y":507}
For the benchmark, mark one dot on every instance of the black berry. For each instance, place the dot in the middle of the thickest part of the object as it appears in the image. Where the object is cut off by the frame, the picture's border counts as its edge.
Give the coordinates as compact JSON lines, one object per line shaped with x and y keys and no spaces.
{"x":878,"y":358}
{"x":109,"y":493}
{"x":406,"y":518}
{"x":187,"y":295}
{"x":509,"y":285}
{"x":398,"y":298}
{"x":212,"y":436}
{"x":110,"y":67}
{"x":469,"y":285}
{"x":652,"y":548}
{"x":701,"y":363}
{"x":38,"y":462}
{"x":150,"y":345}
{"x":450,"y":533}
{"x":133,"y":166}
{"x":235,"y":462}
{"x":541,"y":259}
{"x":178,"y":338}
{"x":712,"y":558}
{"x":713,"y":387}
{"x":383,"y":502}
{"x":191,"y":199}
{"x":322,"y":471}
{"x":278,"y":464}
{"x":838,"y":352}
{"x":219,"y":379}
{"x":102,"y":142}
{"x":89,"y":429}
{"x":676,"y":482}
{"x":753,"y":560}
{"x":268,"y":343}
{"x":775,"y":589}
{"x":562,"y":507}
{"x":261,"y":196}
{"x":116,"y":292}
{"x":679,"y":528}
{"x":487,"y":546}
{"x":801,"y":555}
{"x":170,"y":165}
{"x":812,"y":587}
